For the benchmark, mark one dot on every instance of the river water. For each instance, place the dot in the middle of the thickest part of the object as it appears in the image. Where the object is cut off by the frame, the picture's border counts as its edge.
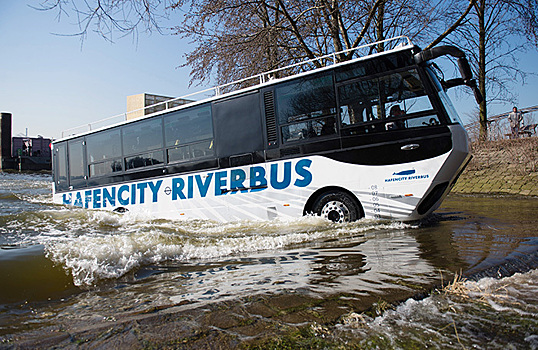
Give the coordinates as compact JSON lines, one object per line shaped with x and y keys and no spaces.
{"x":465,"y":277}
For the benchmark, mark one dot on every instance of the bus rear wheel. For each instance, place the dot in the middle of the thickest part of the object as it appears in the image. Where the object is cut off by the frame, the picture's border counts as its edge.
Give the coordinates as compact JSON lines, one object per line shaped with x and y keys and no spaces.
{"x":337,"y":206}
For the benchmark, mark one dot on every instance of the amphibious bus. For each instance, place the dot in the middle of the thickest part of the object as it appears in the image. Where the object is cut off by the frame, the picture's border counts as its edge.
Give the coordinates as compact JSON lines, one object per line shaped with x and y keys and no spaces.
{"x":375,"y":136}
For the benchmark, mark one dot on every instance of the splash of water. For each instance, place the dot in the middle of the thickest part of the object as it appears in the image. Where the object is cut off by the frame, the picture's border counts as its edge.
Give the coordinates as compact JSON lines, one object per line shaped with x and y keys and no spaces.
{"x":103,"y":245}
{"x":486,"y":314}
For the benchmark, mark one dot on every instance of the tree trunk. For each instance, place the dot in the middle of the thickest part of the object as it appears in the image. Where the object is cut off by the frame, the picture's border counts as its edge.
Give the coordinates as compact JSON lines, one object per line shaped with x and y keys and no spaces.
{"x":483,"y":115}
{"x":380,"y":30}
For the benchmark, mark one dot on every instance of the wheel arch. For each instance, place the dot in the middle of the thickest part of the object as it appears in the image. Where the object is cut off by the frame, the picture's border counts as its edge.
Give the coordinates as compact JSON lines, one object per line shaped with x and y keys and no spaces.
{"x":314,"y":196}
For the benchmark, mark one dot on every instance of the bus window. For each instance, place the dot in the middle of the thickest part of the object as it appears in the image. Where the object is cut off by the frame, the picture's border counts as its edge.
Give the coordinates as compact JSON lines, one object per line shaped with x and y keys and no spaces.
{"x":398,"y":96}
{"x":103,"y":145}
{"x":142,"y":136}
{"x":76,"y":163}
{"x":184,"y":129}
{"x":194,"y":150}
{"x":103,"y":152}
{"x":178,"y":154}
{"x":405,"y":89}
{"x":309,"y":129}
{"x":304,"y":107}
{"x":307,"y":98}
{"x":368,"y":68}
{"x":449,"y":107}
{"x":189,"y":125}
{"x":202,"y":149}
{"x":143,"y":160}
{"x":104,"y":168}
{"x":358,"y":102}
{"x":60,"y":166}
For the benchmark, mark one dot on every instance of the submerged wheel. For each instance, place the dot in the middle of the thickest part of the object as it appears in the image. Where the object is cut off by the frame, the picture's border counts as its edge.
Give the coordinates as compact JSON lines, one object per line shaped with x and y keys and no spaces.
{"x":337,"y":206}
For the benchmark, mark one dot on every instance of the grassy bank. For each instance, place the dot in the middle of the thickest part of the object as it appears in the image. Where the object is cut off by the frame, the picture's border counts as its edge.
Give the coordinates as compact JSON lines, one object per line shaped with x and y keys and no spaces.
{"x":501,"y":167}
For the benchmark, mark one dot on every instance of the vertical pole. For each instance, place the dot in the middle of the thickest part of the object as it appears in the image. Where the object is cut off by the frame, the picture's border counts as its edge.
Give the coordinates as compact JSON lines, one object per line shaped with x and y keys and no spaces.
{"x":5,"y":139}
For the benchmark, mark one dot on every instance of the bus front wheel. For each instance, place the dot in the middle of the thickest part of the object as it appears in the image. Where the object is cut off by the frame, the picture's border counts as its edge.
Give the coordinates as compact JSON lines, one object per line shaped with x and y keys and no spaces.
{"x":337,"y":206}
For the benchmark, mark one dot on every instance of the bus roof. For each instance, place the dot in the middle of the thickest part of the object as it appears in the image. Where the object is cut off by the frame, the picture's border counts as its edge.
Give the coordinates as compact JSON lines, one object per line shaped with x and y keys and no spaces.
{"x":399,"y":43}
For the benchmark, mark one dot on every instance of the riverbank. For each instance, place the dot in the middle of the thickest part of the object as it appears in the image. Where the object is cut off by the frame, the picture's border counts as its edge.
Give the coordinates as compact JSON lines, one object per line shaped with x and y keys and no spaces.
{"x":504,"y":167}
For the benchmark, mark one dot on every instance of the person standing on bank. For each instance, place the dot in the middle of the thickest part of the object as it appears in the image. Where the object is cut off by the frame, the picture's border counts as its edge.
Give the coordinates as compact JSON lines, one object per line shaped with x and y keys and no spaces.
{"x":515,"y":117}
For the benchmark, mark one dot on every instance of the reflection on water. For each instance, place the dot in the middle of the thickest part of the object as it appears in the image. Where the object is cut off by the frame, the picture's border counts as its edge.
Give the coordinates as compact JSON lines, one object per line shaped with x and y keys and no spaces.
{"x":66,"y":267}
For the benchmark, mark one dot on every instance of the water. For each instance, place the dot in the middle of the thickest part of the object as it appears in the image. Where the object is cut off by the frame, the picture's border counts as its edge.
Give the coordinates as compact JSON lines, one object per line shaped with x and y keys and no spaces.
{"x":72,"y":276}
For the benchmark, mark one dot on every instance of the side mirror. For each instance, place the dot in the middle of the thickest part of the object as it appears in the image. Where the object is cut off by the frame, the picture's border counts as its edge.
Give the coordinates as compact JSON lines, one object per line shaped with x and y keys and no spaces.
{"x":463,"y":66}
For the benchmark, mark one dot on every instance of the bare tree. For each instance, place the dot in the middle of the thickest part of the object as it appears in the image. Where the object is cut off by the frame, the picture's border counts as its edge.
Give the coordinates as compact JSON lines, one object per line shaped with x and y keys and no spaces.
{"x":107,"y":17}
{"x":234,"y":39}
{"x":493,"y":33}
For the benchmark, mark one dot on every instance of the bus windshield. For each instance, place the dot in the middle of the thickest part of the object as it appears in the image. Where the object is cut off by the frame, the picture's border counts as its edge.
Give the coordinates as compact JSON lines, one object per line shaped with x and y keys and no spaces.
{"x":449,"y":107}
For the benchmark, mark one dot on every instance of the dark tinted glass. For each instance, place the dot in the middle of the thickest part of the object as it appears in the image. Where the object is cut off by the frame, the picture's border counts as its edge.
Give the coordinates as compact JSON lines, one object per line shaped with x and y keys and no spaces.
{"x":309,"y":129}
{"x":188,"y":125}
{"x":142,"y":136}
{"x":305,"y":99}
{"x":104,"y":168}
{"x":378,"y":65}
{"x":194,"y":150}
{"x":103,"y":145}
{"x":76,"y":161}
{"x":391,"y":102}
{"x":60,"y":166}
{"x":143,"y":160}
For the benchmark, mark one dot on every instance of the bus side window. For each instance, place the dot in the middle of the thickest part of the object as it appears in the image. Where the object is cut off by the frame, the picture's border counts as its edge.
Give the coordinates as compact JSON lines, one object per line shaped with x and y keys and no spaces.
{"x":60,"y":166}
{"x":142,"y":136}
{"x":77,"y":175}
{"x":189,"y":134}
{"x":358,"y":102}
{"x":365,"y":105}
{"x":307,"y":108}
{"x":103,"y":152}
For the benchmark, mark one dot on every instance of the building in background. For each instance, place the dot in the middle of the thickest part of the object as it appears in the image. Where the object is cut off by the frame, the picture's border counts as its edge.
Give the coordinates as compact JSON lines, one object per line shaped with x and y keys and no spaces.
{"x":22,"y":152}
{"x":136,"y":104}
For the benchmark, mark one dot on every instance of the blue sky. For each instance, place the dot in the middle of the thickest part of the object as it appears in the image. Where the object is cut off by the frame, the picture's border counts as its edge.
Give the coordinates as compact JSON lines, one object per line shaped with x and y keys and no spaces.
{"x":51,"y":83}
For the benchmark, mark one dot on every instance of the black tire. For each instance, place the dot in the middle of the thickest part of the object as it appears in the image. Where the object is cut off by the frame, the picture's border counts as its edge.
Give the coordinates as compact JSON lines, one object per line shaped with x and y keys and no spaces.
{"x":337,"y":206}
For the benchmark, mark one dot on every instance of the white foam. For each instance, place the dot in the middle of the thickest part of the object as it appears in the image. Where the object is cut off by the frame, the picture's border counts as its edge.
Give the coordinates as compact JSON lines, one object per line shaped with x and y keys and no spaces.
{"x":103,"y":245}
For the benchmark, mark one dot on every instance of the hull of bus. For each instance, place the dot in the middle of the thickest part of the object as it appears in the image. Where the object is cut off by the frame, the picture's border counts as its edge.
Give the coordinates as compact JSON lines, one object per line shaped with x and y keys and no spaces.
{"x":282,"y":188}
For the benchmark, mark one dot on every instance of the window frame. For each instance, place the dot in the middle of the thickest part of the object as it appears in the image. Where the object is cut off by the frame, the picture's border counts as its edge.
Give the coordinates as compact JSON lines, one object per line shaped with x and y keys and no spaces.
{"x":333,"y":110}
{"x":347,"y":130}
{"x":170,"y":147}
{"x":118,"y":158}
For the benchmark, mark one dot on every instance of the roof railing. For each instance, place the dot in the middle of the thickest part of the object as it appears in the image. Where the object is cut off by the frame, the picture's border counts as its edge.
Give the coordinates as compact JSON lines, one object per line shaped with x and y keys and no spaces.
{"x":326,"y":60}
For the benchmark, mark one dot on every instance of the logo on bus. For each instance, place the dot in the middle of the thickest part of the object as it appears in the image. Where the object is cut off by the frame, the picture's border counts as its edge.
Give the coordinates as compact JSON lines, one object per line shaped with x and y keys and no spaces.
{"x":406,"y":175}
{"x":278,"y":176}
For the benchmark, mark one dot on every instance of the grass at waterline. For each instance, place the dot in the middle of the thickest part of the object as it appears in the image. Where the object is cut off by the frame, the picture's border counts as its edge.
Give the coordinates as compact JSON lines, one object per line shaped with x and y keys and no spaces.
{"x":460,"y":314}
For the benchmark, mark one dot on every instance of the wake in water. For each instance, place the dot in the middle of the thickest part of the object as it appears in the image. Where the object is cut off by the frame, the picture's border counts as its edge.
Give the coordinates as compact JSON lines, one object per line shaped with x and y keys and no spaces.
{"x":107,"y":246}
{"x":487,"y":314}
{"x":99,"y":245}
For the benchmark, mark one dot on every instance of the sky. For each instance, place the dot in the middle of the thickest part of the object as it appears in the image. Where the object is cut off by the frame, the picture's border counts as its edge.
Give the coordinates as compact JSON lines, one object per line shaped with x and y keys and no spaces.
{"x":51,"y":82}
